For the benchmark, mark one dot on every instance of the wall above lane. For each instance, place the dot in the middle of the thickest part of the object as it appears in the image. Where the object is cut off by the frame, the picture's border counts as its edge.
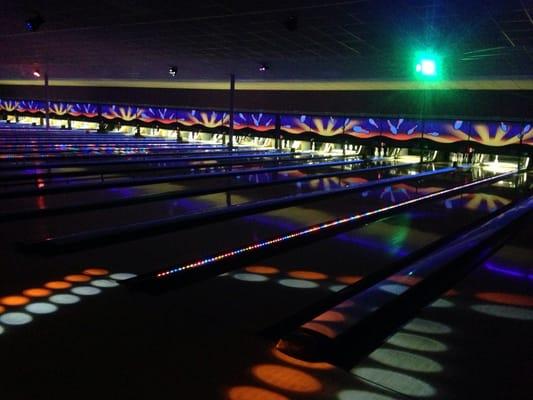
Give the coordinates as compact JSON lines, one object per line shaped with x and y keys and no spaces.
{"x":492,"y":100}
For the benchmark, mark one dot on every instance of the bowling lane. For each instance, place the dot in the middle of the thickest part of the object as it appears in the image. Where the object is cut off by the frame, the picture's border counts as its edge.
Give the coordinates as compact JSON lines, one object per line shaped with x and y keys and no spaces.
{"x":78,"y":176}
{"x":62,"y":199}
{"x":227,"y":308}
{"x":146,"y":254}
{"x":112,"y":218}
{"x":134,"y":166}
{"x":483,"y":324}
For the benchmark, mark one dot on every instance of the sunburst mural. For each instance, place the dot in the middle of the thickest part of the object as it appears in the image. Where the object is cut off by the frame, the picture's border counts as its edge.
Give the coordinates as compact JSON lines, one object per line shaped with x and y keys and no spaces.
{"x":9,"y":105}
{"x":207,"y":119}
{"x":163,"y":115}
{"x":60,"y":108}
{"x":363,"y":128}
{"x":402,"y":129}
{"x":84,"y":110}
{"x":32,"y":106}
{"x":128,"y":114}
{"x":441,"y":131}
{"x":447,"y":131}
{"x":527,"y":134}
{"x":258,"y":122}
{"x":497,"y":133}
{"x":323,"y":126}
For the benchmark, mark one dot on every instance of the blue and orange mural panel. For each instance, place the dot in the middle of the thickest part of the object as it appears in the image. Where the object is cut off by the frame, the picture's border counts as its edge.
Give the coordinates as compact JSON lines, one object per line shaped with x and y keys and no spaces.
{"x":446,"y":131}
{"x":401,"y":129}
{"x":496,"y":133}
{"x":207,"y":119}
{"x":259,"y":122}
{"x":84,"y":110}
{"x":527,"y":134}
{"x":155,"y":114}
{"x":124,"y":113}
{"x":32,"y":106}
{"x":60,"y":108}
{"x":9,"y":105}
{"x":323,"y":126}
{"x":363,"y":128}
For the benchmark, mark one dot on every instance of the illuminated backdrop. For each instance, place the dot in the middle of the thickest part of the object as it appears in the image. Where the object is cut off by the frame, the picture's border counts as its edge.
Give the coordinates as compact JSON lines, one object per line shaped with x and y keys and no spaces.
{"x":493,"y":134}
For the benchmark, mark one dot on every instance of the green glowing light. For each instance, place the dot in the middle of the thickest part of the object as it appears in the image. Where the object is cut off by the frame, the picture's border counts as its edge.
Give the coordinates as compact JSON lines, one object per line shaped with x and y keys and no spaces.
{"x":427,"y":65}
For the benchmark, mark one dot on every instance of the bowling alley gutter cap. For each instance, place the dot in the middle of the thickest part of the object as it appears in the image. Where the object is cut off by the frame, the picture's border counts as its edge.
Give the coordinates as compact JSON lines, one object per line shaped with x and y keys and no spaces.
{"x":351,"y":85}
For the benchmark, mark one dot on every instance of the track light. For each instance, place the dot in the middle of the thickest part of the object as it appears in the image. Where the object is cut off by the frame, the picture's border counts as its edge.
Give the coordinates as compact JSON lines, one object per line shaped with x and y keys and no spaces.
{"x":34,"y":23}
{"x":264,"y":68}
{"x":173,"y":71}
{"x":36,"y":73}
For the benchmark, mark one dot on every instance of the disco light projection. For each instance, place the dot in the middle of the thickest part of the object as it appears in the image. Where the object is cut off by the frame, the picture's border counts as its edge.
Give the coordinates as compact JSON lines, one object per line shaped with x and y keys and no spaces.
{"x":287,"y":378}
{"x":502,"y":311}
{"x":47,"y":299}
{"x":41,"y":308}
{"x":298,"y":283}
{"x":252,"y":392}
{"x":405,"y":360}
{"x":401,"y":383}
{"x":350,"y":394}
{"x":15,"y":318}
{"x":420,"y":325}
{"x":322,"y":227}
{"x":416,"y":342}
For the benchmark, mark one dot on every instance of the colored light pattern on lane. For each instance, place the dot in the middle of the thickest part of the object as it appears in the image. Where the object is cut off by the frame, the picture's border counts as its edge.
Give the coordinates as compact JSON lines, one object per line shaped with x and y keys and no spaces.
{"x":324,"y":226}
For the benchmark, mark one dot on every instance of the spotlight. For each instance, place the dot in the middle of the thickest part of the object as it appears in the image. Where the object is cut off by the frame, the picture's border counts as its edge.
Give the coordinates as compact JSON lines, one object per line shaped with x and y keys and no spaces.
{"x":264,"y":68}
{"x":36,"y":73}
{"x":292,"y":23}
{"x":34,"y":23}
{"x":173,"y":71}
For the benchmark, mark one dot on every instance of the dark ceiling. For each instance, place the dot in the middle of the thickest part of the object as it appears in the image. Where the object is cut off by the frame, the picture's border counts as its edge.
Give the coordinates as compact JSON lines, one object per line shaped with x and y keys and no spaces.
{"x":336,"y":40}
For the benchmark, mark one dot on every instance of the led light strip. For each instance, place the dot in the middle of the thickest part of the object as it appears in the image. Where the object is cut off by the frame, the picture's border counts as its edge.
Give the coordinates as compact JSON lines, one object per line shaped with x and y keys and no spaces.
{"x":326,"y":225}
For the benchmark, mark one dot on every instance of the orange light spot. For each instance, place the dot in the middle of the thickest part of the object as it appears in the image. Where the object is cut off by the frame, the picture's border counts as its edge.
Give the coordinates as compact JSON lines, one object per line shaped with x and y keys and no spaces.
{"x":506,"y":298}
{"x":349,"y":279}
{"x":330,"y":316}
{"x":405,"y":279}
{"x":37,"y":292}
{"x":77,"y":278}
{"x":253,"y":393}
{"x":311,"y":275}
{"x":262,"y":269}
{"x":96,"y":271}
{"x":286,"y":378}
{"x":57,"y":285}
{"x":14,"y":300}
{"x":300,"y":363}
{"x":320,"y":328}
